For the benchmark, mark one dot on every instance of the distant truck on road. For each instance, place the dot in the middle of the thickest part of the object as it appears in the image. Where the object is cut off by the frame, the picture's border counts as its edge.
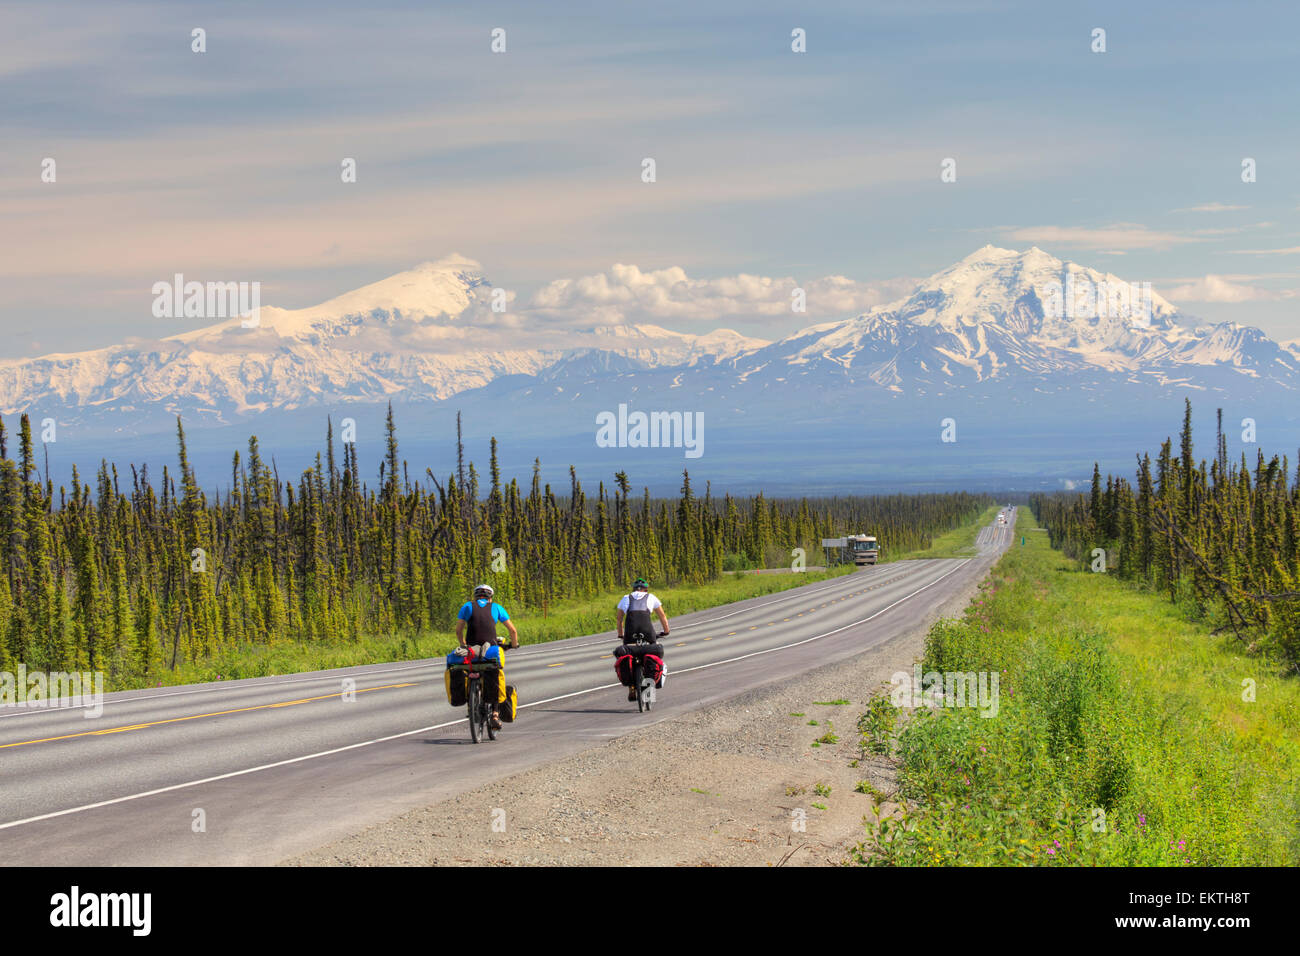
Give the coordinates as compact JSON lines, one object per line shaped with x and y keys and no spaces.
{"x":864,"y":548}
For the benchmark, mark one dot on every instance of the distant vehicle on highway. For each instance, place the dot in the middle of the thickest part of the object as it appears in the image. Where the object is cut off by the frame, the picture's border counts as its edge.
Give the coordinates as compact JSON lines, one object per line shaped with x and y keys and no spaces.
{"x":864,"y":548}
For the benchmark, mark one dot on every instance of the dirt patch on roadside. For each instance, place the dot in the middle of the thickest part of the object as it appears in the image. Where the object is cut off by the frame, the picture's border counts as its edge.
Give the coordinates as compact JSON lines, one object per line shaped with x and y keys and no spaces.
{"x":735,"y":785}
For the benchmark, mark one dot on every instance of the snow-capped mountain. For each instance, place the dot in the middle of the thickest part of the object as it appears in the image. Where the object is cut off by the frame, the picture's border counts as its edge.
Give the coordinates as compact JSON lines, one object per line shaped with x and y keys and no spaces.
{"x":422,"y":335}
{"x":1000,"y":326}
{"x":1000,"y":318}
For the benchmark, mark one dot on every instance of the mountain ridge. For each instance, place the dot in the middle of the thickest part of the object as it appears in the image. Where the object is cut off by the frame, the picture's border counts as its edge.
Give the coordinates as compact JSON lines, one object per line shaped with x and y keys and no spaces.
{"x":994,"y":323}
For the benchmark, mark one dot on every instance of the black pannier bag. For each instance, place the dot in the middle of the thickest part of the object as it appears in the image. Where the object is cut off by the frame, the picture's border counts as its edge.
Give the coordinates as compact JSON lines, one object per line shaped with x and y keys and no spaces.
{"x":493,"y":692}
{"x":455,"y":679}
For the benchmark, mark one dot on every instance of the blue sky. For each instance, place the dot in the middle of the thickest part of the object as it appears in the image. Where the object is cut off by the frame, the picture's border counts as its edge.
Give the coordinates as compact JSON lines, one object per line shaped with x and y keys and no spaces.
{"x":225,"y":165}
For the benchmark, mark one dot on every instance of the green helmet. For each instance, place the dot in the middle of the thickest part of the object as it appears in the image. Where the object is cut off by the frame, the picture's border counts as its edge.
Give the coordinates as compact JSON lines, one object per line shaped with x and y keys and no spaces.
{"x":640,"y":583}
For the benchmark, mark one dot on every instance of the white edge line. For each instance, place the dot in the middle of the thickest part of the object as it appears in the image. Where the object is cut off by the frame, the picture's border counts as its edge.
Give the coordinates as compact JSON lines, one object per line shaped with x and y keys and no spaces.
{"x":223,"y":776}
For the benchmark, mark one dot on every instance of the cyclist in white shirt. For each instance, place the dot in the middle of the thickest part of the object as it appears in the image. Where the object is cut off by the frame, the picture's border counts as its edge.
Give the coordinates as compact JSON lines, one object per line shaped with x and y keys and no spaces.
{"x":634,"y":617}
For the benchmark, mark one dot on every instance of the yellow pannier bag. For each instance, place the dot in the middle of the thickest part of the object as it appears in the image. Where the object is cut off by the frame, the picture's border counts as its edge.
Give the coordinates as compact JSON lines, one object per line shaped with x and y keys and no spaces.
{"x":510,"y":706}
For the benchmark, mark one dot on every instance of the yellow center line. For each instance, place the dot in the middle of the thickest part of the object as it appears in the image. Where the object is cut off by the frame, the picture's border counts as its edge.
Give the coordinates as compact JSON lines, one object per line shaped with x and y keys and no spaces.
{"x":680,"y":644}
{"x":730,"y":633}
{"x":215,"y":713}
{"x":560,"y":664}
{"x":605,"y":657}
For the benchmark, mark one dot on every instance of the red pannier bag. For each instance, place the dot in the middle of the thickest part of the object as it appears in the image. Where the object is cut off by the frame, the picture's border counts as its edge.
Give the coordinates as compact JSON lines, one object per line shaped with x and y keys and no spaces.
{"x":653,"y":668}
{"x":652,"y":665}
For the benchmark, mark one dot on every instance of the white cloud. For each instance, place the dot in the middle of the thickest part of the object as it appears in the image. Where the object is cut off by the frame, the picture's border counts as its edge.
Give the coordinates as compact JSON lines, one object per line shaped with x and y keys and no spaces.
{"x":1231,"y":230}
{"x":1211,"y":207}
{"x":1212,"y":288}
{"x":1290,"y":251}
{"x":627,"y":294}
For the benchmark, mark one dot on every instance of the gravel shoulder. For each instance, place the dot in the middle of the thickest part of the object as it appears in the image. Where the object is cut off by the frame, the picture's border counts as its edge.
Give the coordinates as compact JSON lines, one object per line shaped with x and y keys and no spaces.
{"x":726,"y":786}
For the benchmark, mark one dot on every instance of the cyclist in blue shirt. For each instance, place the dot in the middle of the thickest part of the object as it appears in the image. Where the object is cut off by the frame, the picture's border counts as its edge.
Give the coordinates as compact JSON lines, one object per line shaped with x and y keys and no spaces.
{"x":480,"y":617}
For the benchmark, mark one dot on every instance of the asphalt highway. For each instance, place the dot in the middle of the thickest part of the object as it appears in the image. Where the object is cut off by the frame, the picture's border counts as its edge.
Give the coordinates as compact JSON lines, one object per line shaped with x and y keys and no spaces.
{"x":252,"y":771}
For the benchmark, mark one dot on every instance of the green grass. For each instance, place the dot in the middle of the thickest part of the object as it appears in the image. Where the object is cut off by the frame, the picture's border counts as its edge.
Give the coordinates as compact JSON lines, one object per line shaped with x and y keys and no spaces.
{"x":587,"y":616}
{"x":957,"y":543}
{"x":865,"y":786}
{"x":1121,"y":736}
{"x":876,"y":725}
{"x":830,"y":737}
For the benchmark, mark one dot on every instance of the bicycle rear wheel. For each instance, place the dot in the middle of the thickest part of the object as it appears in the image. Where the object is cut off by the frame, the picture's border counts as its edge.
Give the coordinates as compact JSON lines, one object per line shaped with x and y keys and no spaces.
{"x":475,"y":705}
{"x":636,"y":680}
